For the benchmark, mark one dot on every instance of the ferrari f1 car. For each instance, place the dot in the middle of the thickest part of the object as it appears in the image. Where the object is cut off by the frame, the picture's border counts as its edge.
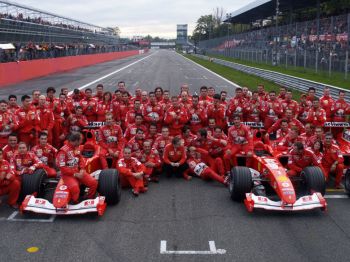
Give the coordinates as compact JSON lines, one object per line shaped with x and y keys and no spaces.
{"x":265,"y":185}
{"x":35,"y":186}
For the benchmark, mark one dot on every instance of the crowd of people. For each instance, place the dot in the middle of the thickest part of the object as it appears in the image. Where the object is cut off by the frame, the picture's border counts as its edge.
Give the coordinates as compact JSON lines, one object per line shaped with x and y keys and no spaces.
{"x":151,"y":134}
{"x":32,"y":51}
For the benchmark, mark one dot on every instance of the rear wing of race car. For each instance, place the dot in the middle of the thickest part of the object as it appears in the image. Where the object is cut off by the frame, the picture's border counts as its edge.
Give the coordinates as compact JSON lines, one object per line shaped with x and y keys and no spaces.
{"x":336,"y":124}
{"x":250,"y":124}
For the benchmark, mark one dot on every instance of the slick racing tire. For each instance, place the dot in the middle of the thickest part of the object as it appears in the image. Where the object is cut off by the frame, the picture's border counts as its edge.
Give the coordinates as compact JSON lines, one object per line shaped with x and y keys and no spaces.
{"x":109,"y":186}
{"x":33,"y":184}
{"x":313,"y":180}
{"x":347,"y":181}
{"x":240,"y":183}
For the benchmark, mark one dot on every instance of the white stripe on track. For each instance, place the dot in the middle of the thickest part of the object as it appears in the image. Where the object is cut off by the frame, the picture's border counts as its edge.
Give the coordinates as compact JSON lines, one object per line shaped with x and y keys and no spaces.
{"x":110,"y":74}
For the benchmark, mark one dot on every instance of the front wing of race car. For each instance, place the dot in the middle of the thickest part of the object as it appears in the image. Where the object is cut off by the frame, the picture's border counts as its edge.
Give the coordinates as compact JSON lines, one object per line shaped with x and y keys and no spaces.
{"x":316,"y":200}
{"x":43,"y":206}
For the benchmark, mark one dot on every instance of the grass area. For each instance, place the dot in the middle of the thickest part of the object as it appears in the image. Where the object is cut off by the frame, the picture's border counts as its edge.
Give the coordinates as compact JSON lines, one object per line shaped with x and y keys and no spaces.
{"x":336,"y":78}
{"x":238,"y":77}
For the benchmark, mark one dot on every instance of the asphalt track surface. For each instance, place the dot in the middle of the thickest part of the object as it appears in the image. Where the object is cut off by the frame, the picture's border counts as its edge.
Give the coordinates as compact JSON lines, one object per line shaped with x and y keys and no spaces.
{"x":186,"y":214}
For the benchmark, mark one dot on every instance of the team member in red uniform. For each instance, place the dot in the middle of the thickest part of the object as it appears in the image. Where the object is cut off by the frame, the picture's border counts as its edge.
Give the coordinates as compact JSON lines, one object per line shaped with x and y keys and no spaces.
{"x":326,"y":102}
{"x":153,"y":112}
{"x":287,"y":142}
{"x":236,"y":105}
{"x":300,"y":158}
{"x":239,"y":139}
{"x":8,"y":123}
{"x":223,"y":96}
{"x":271,"y":110}
{"x":217,"y":111}
{"x":77,"y":121}
{"x":89,"y":105}
{"x":291,"y":104}
{"x":308,"y":134}
{"x":204,"y":99}
{"x":71,"y":164}
{"x":131,"y":172}
{"x":61,"y":113}
{"x":23,"y":161}
{"x":246,"y":93}
{"x":166,"y":102}
{"x":99,"y":93}
{"x":130,"y":131}
{"x":12,"y":105}
{"x":198,"y":167}
{"x":28,"y":122}
{"x":152,"y":133}
{"x":317,"y":149}
{"x":103,"y":106}
{"x":9,"y":184}
{"x":187,"y":136}
{"x":283,"y":131}
{"x":11,"y":148}
{"x":311,"y":94}
{"x":131,"y":114}
{"x":50,"y":97}
{"x":150,"y":159}
{"x":340,"y":108}
{"x":144,"y":98}
{"x":123,"y":107}
{"x":174,"y":159}
{"x":75,"y":99}
{"x":316,"y":115}
{"x":211,"y":91}
{"x":197,"y":115}
{"x":219,"y":143}
{"x":176,"y":117}
{"x":333,"y":160}
{"x":282,"y":93}
{"x":35,"y":97}
{"x":304,"y":108}
{"x":253,"y":110}
{"x":111,"y":139}
{"x":136,"y":143}
{"x":185,"y":100}
{"x":46,"y":118}
{"x":158,"y":91}
{"x":291,"y":122}
{"x":162,"y":140}
{"x":261,"y":93}
{"x":46,"y":154}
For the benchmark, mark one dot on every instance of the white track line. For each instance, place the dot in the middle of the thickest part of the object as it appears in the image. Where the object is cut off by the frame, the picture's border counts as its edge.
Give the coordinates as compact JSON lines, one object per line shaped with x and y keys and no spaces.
{"x":15,"y":213}
{"x":212,"y":251}
{"x":336,"y":196}
{"x":223,"y":78}
{"x":114,"y":72}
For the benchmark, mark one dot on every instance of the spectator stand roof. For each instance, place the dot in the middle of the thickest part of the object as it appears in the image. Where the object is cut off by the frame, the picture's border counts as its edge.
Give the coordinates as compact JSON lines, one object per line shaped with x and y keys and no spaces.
{"x":12,"y":8}
{"x":261,"y":9}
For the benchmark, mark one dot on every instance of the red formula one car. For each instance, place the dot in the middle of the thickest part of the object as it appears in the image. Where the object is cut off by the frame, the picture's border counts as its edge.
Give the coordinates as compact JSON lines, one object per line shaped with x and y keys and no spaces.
{"x":265,"y":184}
{"x":36,"y":185}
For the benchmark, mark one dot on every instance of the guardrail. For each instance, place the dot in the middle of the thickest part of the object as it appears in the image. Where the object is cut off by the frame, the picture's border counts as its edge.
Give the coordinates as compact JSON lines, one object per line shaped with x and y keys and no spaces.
{"x":288,"y":81}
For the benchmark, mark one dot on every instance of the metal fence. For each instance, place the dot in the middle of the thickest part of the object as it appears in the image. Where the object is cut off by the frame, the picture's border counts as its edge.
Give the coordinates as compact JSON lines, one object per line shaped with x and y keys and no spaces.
{"x":320,"y":45}
{"x":296,"y":83}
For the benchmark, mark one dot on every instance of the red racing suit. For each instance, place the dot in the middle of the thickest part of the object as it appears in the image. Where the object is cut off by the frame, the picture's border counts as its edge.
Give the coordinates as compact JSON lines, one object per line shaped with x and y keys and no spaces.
{"x":9,"y":184}
{"x":111,"y":137}
{"x":9,"y":152}
{"x":176,"y":118}
{"x":160,"y":143}
{"x":8,"y":124}
{"x":153,"y":114}
{"x":297,"y":162}
{"x":271,"y":112}
{"x":290,"y":104}
{"x":197,"y":118}
{"x":102,"y":109}
{"x":128,"y":166}
{"x":317,"y":117}
{"x":326,"y":102}
{"x":89,"y":106}
{"x":130,"y":131}
{"x":70,"y":161}
{"x":218,"y":113}
{"x":46,"y":155}
{"x":46,"y":122}
{"x":25,"y":163}
{"x":339,"y":110}
{"x":292,"y":122}
{"x":332,"y":154}
{"x":28,"y":125}
{"x":239,"y":139}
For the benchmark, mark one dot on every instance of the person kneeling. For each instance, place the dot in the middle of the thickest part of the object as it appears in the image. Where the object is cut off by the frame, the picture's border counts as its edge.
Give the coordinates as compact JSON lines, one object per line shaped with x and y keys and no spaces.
{"x":174,"y":158}
{"x":131,"y":172}
{"x":9,"y":184}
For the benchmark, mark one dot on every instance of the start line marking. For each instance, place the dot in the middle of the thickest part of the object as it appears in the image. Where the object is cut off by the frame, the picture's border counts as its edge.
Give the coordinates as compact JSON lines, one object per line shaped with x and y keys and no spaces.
{"x":212,"y":251}
{"x":15,"y":213}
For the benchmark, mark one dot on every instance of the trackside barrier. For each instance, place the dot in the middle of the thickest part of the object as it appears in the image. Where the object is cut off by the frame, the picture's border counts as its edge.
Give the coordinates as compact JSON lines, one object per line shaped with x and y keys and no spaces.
{"x":288,"y":81}
{"x":16,"y":72}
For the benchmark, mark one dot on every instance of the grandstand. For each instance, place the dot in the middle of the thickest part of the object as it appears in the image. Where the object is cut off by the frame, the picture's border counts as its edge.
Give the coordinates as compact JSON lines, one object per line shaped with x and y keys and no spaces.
{"x":319,"y":43}
{"x":20,"y":23}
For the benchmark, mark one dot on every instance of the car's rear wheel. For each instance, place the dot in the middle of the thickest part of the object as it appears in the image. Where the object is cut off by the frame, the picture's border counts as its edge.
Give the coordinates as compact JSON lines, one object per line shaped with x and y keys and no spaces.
{"x":313,"y":180}
{"x":33,"y":184}
{"x":240,"y":183}
{"x":109,"y":186}
{"x":347,"y":181}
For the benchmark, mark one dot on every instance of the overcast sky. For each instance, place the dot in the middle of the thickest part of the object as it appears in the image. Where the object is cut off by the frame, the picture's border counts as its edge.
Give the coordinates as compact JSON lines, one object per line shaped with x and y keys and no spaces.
{"x":138,"y":17}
